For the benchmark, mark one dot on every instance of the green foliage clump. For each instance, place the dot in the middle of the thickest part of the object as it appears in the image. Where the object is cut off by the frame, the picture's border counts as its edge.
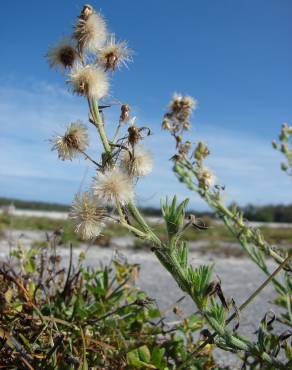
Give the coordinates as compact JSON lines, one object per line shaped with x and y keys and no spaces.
{"x":81,"y":318}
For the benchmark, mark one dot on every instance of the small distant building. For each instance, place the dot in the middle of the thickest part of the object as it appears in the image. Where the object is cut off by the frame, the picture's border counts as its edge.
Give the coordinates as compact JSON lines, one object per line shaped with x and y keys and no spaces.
{"x":8,"y":210}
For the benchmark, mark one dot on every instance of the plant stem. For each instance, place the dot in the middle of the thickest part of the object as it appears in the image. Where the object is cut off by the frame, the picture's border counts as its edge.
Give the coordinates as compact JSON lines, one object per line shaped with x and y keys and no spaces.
{"x":148,"y":233}
{"x":116,"y":133}
{"x":240,"y":309}
{"x":260,"y":288}
{"x":186,"y":171}
{"x":93,"y":106}
{"x":124,"y":223}
{"x":141,"y":221}
{"x":89,"y":158}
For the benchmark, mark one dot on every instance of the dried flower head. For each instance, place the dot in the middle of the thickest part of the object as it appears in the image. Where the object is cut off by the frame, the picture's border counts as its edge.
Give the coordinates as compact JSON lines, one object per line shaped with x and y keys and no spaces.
{"x":178,"y":116}
{"x":184,"y":148}
{"x":182,"y":104}
{"x":114,"y":54}
{"x":88,"y":218}
{"x":72,"y":143}
{"x":139,"y":163}
{"x":181,"y":107}
{"x":89,"y":81}
{"x":206,"y":178}
{"x":125,"y":113}
{"x":62,"y":55}
{"x":134,"y":135}
{"x":90,"y":30}
{"x":113,"y":186}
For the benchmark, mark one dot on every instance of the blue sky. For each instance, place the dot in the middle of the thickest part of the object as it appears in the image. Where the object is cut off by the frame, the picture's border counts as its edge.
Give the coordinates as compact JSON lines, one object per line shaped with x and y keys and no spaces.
{"x":234,"y":56}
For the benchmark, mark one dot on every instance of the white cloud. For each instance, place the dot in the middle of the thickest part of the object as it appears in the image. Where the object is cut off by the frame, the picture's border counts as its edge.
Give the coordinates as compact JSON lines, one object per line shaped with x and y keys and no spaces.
{"x":248,"y":166}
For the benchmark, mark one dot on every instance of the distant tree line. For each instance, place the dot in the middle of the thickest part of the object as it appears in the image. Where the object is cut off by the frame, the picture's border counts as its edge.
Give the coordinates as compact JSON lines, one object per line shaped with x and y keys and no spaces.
{"x":267,"y":213}
{"x":33,"y":205}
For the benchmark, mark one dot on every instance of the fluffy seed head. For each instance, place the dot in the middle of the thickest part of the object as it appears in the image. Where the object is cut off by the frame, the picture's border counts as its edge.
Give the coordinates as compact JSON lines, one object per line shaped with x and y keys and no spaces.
{"x":62,"y":55}
{"x":74,"y":141}
{"x":113,"y":186}
{"x":90,"y":30}
{"x":138,"y":164}
{"x":114,"y":54}
{"x":88,"y":218}
{"x":89,"y":81}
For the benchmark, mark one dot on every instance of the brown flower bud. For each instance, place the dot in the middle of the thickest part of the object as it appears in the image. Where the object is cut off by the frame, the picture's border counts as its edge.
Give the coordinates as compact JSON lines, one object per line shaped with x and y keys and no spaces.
{"x":86,"y":11}
{"x":134,"y":135}
{"x":125,"y":113}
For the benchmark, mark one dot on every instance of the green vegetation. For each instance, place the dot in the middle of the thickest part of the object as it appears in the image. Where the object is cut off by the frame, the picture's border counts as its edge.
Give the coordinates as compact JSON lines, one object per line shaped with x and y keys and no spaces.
{"x":75,"y":318}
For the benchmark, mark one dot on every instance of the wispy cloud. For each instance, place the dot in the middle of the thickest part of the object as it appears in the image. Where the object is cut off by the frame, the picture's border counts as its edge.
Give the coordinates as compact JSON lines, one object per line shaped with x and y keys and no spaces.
{"x":30,"y":116}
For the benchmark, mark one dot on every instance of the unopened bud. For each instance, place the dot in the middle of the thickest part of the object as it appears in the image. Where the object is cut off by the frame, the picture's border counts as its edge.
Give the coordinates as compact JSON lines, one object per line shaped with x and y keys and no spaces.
{"x":86,"y":11}
{"x":284,"y":135}
{"x":201,"y":151}
{"x":178,"y":139}
{"x":125,"y":113}
{"x":134,"y":135}
{"x":165,"y":125}
{"x":274,"y":144}
{"x":284,"y":167}
{"x":284,"y":149}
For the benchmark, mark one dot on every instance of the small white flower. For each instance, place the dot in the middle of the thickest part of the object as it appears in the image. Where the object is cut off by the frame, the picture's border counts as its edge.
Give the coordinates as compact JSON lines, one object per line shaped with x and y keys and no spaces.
{"x":140,"y":164}
{"x":206,"y":177}
{"x":89,"y":81}
{"x":72,"y":143}
{"x":88,"y":218}
{"x":90,"y":32}
{"x":62,"y":55}
{"x":113,"y":186}
{"x":114,"y":54}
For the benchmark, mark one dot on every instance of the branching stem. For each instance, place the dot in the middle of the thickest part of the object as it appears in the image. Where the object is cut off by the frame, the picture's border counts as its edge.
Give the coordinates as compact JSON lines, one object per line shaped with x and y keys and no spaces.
{"x":240,"y":309}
